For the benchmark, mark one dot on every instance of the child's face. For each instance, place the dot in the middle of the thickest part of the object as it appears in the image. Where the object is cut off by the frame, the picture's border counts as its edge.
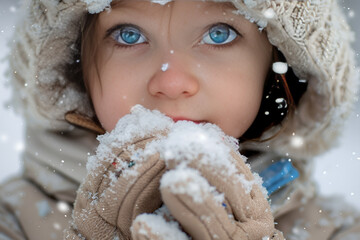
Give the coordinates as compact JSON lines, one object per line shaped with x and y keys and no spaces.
{"x":185,"y":59}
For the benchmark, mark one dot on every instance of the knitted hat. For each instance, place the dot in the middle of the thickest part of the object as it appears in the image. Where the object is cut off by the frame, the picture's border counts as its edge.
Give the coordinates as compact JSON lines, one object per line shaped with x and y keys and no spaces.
{"x":312,"y":35}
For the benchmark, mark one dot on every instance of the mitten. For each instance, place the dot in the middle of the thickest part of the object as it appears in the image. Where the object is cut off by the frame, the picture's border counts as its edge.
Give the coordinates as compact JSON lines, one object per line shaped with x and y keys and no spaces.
{"x":121,"y":183}
{"x":210,"y":190}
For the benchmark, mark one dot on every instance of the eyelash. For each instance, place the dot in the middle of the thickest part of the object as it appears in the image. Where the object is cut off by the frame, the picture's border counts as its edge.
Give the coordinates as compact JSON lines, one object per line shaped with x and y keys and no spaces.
{"x":211,"y":46}
{"x":123,"y":46}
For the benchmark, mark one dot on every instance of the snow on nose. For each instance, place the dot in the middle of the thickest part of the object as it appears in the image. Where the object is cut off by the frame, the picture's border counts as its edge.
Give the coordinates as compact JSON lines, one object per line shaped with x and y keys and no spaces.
{"x":164,"y":67}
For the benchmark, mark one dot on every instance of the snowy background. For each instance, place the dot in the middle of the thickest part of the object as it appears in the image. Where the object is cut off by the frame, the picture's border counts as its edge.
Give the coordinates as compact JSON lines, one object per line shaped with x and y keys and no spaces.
{"x":337,"y":171}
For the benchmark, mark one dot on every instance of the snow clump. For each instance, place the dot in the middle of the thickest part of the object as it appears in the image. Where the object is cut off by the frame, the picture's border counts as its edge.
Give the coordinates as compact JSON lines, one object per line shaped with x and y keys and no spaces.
{"x":97,"y":6}
{"x":161,"y":2}
{"x":280,"y":67}
{"x":159,"y":226}
{"x":190,"y":145}
{"x":190,"y":182}
{"x":205,"y":143}
{"x":139,"y":124}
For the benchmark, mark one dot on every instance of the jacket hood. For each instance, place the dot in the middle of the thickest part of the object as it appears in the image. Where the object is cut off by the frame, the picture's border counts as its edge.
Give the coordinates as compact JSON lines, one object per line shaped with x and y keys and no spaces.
{"x":312,"y":35}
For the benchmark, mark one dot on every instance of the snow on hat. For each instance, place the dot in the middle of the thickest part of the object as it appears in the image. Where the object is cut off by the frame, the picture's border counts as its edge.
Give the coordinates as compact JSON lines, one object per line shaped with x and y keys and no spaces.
{"x":312,"y":35}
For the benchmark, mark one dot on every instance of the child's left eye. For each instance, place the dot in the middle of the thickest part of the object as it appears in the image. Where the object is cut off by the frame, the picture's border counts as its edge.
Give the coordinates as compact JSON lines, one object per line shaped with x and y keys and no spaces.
{"x":219,"y":34}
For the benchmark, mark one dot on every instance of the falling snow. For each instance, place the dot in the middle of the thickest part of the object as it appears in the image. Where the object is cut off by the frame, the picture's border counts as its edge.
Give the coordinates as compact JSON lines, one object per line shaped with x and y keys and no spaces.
{"x":297,"y":141}
{"x":12,"y":9}
{"x":3,"y":138}
{"x":351,"y":14}
{"x":63,"y":207}
{"x":19,"y":147}
{"x":57,"y":226}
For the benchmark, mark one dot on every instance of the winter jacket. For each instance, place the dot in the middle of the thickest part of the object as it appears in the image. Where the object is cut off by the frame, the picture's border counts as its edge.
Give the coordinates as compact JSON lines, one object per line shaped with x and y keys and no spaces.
{"x":38,"y":203}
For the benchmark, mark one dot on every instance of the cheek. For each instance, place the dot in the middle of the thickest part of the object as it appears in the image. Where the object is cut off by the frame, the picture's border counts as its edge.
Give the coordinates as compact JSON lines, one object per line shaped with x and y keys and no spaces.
{"x":104,"y":107}
{"x":241,"y":109}
{"x":109,"y":97}
{"x":240,"y":98}
{"x":118,"y":90}
{"x":108,"y":112}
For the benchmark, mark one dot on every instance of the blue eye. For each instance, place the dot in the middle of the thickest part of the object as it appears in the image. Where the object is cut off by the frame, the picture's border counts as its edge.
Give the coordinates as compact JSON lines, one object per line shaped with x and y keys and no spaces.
{"x":219,"y":34}
{"x":129,"y":36}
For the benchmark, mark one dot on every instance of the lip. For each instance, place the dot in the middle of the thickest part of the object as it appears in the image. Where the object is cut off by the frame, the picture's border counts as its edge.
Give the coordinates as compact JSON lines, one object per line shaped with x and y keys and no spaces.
{"x":176,"y":119}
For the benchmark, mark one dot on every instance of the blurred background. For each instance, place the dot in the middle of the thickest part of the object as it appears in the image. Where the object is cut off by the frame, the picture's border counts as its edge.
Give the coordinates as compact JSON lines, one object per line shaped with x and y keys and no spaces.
{"x":337,"y":171}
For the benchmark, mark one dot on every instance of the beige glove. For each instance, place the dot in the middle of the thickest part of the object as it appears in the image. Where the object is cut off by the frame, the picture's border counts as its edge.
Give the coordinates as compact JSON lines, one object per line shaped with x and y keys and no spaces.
{"x":211,"y":192}
{"x":120,"y":183}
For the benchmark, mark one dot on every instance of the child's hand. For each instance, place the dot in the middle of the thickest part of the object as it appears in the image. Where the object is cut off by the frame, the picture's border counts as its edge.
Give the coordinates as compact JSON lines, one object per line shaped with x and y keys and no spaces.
{"x":210,"y":190}
{"x":121,"y":182}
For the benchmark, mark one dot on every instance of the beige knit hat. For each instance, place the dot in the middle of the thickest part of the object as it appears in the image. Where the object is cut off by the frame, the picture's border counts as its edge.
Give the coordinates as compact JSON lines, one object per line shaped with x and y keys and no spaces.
{"x":312,"y":34}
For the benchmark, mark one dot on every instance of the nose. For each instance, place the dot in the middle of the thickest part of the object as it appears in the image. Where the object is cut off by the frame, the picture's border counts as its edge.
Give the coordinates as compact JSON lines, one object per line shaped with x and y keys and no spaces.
{"x":173,"y":82}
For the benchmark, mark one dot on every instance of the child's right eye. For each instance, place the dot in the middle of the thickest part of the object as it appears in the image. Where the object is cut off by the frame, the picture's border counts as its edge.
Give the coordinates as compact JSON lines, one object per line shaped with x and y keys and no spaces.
{"x":128,"y":35}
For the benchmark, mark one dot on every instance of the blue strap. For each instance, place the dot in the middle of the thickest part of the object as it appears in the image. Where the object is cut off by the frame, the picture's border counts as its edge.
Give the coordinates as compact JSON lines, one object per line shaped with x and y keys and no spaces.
{"x":278,"y":174}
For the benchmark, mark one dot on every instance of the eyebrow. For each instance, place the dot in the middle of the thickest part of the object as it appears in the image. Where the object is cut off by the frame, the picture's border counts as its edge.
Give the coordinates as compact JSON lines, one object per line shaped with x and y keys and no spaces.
{"x":224,"y":5}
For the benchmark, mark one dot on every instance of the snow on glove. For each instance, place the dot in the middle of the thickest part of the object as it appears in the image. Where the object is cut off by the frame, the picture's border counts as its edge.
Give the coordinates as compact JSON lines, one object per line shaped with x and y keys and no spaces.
{"x":158,"y":226}
{"x":121,"y":183}
{"x":211,"y":192}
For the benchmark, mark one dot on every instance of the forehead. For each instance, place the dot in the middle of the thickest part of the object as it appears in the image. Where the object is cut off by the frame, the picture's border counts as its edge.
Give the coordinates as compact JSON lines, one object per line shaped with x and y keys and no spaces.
{"x":201,"y":4}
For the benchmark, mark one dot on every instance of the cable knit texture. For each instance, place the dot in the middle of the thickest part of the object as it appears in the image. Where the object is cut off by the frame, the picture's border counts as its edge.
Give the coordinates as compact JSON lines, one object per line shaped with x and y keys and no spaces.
{"x":313,"y":35}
